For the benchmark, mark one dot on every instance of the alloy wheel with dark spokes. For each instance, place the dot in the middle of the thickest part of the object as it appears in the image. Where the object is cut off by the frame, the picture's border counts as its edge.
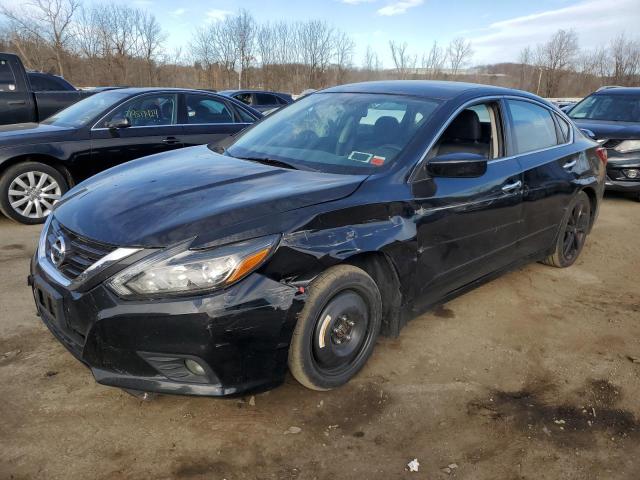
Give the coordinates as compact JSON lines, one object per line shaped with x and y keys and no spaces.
{"x":575,"y":232}
{"x":341,"y":332}
{"x":572,"y":233}
{"x":33,"y":194}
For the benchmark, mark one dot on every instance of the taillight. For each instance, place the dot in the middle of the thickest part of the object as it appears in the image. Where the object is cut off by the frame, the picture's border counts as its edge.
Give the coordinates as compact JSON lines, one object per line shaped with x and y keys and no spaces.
{"x":602,"y":154}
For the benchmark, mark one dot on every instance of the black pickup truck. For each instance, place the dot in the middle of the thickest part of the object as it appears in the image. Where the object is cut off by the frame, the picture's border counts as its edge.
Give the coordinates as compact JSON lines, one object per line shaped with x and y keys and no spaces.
{"x":31,"y":96}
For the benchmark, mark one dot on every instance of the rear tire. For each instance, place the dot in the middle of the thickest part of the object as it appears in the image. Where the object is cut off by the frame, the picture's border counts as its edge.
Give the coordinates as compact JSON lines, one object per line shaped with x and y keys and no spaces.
{"x":572,"y":233}
{"x":337,"y":328}
{"x":29,"y":190}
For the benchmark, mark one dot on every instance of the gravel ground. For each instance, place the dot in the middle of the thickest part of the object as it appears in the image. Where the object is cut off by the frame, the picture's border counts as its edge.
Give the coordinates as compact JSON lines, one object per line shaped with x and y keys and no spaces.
{"x":531,"y":376}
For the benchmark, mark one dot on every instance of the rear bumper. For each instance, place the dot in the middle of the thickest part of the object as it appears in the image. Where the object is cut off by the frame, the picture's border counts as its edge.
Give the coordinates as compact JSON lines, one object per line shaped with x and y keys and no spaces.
{"x":240,"y":335}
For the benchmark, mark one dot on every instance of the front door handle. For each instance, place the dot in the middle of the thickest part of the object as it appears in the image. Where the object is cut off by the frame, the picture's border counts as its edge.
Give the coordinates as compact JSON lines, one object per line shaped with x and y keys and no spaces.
{"x":510,"y":187}
{"x":570,"y":164}
{"x":17,"y":102}
{"x":170,"y":140}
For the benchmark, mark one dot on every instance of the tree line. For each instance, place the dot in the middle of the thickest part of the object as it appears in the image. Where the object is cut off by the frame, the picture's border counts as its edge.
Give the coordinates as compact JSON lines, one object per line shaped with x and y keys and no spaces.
{"x":116,"y":44}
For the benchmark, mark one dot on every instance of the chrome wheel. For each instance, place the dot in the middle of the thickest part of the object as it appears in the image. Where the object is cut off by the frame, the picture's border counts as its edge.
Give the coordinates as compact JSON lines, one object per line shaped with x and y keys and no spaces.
{"x":33,"y":194}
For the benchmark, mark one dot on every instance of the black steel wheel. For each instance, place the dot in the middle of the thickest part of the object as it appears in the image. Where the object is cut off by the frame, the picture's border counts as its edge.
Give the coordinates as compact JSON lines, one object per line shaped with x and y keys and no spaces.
{"x":337,"y":329}
{"x":573,"y":233}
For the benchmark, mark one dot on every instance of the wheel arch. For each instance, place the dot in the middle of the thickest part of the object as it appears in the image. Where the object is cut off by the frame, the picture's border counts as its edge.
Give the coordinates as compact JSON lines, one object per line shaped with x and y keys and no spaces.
{"x":41,"y":158}
{"x":593,"y":200}
{"x":382,"y":270}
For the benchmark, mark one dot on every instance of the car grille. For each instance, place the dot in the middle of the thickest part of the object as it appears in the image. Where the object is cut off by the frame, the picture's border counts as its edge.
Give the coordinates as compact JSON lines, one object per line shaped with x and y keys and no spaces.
{"x":79,"y":252}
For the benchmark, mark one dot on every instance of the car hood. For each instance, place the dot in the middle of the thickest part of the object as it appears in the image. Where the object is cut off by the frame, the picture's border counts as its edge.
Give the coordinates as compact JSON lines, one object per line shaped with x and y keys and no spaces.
{"x":171,"y":197}
{"x":611,"y":130}
{"x":29,"y":133}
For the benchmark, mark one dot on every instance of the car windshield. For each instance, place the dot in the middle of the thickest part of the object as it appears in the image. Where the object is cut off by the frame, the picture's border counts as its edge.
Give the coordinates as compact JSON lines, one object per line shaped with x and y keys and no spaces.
{"x":86,"y":110}
{"x":615,"y":108}
{"x":349,"y":133}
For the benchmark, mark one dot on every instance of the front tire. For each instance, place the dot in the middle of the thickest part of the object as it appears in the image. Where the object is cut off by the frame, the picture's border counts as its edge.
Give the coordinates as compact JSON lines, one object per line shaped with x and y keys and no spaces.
{"x":572,"y":234}
{"x":29,"y":190}
{"x":337,"y":328}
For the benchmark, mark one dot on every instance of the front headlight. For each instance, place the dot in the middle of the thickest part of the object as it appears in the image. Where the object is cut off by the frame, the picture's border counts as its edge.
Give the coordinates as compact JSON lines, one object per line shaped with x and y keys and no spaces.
{"x":628,"y":146}
{"x":180,"y":271}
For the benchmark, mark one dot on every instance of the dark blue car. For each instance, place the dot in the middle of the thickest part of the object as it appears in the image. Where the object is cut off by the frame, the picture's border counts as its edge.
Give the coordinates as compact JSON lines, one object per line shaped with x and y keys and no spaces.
{"x":612,"y":116}
{"x":260,"y":100}
{"x":210,"y":271}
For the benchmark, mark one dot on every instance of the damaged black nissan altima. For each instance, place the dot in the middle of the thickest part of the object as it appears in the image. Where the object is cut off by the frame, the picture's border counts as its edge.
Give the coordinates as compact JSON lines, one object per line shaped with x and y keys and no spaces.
{"x":211,"y":271}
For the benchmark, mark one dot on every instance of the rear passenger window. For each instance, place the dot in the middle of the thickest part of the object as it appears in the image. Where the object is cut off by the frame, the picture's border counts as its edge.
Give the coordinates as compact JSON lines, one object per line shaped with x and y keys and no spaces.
{"x":265,"y":99}
{"x":7,"y":80}
{"x":533,"y":126}
{"x":564,"y":129}
{"x":44,"y":84}
{"x":203,"y":109}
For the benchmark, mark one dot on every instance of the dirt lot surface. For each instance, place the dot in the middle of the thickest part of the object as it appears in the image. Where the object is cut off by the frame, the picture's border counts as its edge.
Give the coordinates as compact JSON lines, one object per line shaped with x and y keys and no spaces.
{"x":531,"y":376}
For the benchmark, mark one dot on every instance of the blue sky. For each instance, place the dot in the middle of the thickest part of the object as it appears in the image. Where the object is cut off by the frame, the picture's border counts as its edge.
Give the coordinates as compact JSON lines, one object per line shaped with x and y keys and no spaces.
{"x":498,"y":29}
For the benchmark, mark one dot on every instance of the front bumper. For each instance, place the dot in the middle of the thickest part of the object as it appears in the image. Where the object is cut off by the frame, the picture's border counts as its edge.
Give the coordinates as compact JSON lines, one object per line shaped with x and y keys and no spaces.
{"x":240,"y":335}
{"x":616,"y":179}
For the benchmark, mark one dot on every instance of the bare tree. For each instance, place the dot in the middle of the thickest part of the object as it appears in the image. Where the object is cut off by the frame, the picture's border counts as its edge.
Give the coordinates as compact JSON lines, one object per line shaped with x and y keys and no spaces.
{"x":459,"y":53}
{"x":525,"y":59}
{"x":46,"y":20}
{"x":344,"y":55}
{"x":371,"y":61}
{"x":625,"y":55}
{"x":243,"y":32}
{"x":403,"y":62}
{"x":555,"y":57}
{"x":150,"y":38}
{"x":316,"y":43}
{"x":434,"y":61}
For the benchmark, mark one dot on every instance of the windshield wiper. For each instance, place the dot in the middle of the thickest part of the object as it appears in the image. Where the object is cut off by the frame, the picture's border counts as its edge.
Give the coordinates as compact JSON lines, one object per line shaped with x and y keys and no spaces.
{"x":270,"y":161}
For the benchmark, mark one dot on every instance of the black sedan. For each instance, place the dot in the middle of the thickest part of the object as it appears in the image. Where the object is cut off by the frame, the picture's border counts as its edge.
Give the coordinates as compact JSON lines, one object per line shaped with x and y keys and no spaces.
{"x":40,"y":161}
{"x":612,"y":117}
{"x":262,"y":101}
{"x":210,"y":271}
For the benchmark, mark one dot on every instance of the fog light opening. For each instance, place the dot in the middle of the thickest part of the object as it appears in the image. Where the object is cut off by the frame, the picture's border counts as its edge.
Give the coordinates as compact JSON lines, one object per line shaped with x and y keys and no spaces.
{"x":632,"y":173}
{"x":194,"y":367}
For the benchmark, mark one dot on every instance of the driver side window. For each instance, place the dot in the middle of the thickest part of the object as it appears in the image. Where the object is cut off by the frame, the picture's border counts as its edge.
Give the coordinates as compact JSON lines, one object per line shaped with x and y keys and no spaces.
{"x":148,"y":111}
{"x":477,"y":129}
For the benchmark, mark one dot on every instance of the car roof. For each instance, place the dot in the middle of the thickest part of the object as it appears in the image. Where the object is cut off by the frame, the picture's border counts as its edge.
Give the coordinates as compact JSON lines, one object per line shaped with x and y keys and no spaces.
{"x":140,"y":90}
{"x":425,"y":88}
{"x":618,"y":91}
{"x":136,"y":90}
{"x":231,"y":92}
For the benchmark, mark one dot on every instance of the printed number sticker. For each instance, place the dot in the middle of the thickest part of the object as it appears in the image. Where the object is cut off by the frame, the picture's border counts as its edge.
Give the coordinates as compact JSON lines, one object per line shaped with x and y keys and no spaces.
{"x":360,"y":156}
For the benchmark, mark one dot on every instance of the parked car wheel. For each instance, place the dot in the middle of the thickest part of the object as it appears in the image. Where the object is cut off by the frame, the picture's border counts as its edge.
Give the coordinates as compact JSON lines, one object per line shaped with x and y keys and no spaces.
{"x":572,"y":234}
{"x":337,"y":329}
{"x":29,"y":190}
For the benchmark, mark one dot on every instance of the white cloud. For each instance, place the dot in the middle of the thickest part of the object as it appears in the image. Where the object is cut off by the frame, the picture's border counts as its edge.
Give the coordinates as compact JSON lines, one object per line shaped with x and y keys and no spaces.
{"x":216,"y":14}
{"x":178,"y":12}
{"x":398,"y":8}
{"x":594,"y":21}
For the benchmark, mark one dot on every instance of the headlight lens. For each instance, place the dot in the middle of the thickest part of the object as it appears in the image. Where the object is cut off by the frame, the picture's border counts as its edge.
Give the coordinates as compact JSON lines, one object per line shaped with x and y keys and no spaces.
{"x":628,"y":146}
{"x":180,"y":271}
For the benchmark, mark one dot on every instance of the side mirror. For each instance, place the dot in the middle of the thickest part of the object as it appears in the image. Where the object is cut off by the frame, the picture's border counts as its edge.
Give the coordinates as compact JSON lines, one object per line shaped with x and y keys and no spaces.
{"x":588,"y":133}
{"x":459,"y":165}
{"x":116,"y":123}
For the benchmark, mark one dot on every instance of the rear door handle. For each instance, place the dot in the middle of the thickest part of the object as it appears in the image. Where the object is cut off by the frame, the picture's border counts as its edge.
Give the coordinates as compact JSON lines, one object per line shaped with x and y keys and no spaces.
{"x":570,"y":164}
{"x":510,"y":187}
{"x":17,"y":102}
{"x":170,"y":140}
